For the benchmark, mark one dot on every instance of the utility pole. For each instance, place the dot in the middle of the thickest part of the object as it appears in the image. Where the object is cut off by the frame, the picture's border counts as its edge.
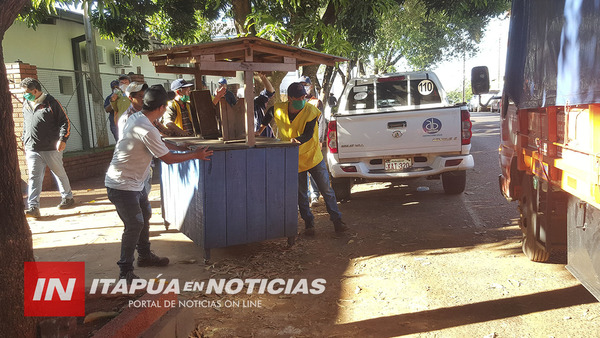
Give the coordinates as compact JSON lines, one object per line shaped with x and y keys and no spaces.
{"x":464,"y":74}
{"x":98,"y":113}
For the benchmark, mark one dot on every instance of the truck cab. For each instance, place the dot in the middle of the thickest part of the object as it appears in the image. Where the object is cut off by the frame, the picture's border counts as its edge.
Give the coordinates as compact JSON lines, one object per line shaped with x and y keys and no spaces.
{"x":396,"y":127}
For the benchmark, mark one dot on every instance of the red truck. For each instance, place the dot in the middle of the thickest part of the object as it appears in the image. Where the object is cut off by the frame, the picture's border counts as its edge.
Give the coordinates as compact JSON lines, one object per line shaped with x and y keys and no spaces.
{"x":550,"y":130}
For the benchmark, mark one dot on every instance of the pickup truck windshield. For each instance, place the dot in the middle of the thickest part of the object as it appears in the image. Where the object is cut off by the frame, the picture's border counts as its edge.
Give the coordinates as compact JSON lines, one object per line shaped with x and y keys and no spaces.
{"x":393,"y":93}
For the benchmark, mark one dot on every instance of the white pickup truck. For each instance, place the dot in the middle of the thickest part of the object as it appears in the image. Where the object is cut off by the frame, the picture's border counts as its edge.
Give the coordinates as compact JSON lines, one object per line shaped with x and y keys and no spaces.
{"x":398,"y":126}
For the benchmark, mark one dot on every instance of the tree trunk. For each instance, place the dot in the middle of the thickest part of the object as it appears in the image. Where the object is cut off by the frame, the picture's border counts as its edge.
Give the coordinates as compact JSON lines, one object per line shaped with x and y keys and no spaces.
{"x":241,"y":9}
{"x":15,"y":236}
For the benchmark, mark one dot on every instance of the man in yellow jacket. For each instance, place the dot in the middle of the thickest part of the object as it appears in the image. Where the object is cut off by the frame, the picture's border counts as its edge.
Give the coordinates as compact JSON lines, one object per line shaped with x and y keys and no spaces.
{"x":178,"y":117}
{"x":298,"y":122}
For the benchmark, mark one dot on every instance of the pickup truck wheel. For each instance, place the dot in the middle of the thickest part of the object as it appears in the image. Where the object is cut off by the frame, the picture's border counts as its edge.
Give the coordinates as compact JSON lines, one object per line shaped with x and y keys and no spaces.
{"x":342,"y":188}
{"x":530,"y":219}
{"x":454,"y":182}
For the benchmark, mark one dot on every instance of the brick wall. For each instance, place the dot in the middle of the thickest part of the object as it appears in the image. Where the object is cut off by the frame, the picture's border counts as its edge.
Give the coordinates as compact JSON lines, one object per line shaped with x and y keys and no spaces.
{"x":78,"y":165}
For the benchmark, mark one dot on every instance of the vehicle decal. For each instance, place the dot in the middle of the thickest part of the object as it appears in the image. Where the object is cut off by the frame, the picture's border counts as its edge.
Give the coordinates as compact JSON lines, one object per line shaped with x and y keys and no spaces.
{"x":360,"y":96}
{"x":426,"y":87}
{"x":432,"y":126}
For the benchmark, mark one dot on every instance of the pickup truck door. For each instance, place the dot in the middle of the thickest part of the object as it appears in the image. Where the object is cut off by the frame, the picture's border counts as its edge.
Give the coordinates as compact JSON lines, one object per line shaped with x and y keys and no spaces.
{"x":408,"y":132}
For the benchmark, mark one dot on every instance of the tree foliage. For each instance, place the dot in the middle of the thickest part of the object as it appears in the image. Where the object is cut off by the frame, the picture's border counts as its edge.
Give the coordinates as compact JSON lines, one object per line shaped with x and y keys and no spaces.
{"x":424,"y":35}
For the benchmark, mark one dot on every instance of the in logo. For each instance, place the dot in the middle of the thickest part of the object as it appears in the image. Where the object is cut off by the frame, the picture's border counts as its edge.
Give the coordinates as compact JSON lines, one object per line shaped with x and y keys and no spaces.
{"x":432,"y":125}
{"x":54,"y":289}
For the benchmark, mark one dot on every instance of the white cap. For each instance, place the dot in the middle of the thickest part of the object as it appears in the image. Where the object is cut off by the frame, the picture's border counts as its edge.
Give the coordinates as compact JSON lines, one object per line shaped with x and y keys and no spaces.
{"x":135,"y":87}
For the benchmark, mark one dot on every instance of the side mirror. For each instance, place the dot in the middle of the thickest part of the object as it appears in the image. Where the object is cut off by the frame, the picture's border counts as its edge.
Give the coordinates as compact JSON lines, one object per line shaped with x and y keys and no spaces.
{"x":480,"y":80}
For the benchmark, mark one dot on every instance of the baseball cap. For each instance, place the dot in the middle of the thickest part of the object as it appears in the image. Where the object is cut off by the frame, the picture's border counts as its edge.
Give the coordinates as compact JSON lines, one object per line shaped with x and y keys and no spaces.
{"x":223,"y":81}
{"x":304,"y":79}
{"x":135,"y":87}
{"x":155,"y":97}
{"x":296,"y":89}
{"x":180,"y":83}
{"x":114,"y":84}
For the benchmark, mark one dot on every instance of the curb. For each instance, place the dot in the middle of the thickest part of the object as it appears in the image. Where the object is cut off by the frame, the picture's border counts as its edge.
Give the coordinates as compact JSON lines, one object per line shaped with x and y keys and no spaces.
{"x":134,"y":321}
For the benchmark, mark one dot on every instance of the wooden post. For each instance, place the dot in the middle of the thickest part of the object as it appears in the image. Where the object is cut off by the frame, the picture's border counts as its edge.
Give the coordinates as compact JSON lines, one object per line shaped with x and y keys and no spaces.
{"x":249,"y":96}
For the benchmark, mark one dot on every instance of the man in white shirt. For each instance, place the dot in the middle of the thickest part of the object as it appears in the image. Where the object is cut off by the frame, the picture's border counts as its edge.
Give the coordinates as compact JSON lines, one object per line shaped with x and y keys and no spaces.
{"x":127,"y":173}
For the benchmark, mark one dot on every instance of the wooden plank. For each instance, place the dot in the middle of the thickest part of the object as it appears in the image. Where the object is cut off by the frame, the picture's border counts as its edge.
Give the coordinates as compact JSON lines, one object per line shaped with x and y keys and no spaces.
{"x":249,"y":123}
{"x":249,"y":66}
{"x":232,"y":120}
{"x":217,"y":50}
{"x":275,"y":192}
{"x":207,"y":58}
{"x":166,"y":172}
{"x":204,"y":114}
{"x":175,"y":61}
{"x":174,"y":70}
{"x":235,"y":171}
{"x":215,"y":214}
{"x":256,"y":210}
{"x":187,"y":200}
{"x":291,"y":191}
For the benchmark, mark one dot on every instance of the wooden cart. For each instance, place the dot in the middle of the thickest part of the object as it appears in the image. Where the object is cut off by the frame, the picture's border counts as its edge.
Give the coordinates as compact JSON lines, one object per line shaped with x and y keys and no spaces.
{"x":248,"y":191}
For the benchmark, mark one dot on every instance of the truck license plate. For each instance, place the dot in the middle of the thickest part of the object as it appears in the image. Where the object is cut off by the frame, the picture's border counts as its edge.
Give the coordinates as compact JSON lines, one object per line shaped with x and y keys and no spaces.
{"x":398,"y":164}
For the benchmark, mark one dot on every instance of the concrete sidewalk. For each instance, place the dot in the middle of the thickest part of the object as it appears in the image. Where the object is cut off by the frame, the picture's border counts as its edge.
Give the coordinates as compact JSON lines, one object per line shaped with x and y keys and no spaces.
{"x":91,"y":233}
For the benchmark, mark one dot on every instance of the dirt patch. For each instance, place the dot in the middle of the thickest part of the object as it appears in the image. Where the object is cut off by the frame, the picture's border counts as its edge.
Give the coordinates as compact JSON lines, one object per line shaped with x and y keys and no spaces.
{"x":433,"y":274}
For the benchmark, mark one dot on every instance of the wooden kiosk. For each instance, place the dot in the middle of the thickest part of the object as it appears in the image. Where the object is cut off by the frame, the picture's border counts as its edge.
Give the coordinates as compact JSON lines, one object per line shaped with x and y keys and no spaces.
{"x":248,"y":192}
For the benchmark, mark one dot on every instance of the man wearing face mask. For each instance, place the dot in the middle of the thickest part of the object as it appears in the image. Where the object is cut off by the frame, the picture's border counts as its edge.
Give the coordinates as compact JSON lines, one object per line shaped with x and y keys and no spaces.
{"x":313,"y":190}
{"x":119,"y":101}
{"x":178,"y":118}
{"x":46,"y":129}
{"x":297,"y":122}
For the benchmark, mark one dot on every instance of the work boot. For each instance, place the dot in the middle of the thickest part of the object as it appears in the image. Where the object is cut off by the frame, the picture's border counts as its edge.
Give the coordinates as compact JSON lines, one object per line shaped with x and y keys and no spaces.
{"x":339,"y":225}
{"x":309,"y":228}
{"x":66,"y":203}
{"x":129,"y":276}
{"x":33,"y":212}
{"x":152,"y":260}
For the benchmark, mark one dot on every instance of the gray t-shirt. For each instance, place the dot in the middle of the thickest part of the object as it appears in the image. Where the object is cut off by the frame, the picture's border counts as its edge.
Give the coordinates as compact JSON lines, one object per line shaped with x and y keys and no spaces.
{"x":130,"y":164}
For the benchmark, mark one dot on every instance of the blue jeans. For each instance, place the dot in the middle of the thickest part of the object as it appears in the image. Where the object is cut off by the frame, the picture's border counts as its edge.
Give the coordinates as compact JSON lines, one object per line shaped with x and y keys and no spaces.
{"x":313,"y":189}
{"x":113,"y":126}
{"x":135,"y":211}
{"x":321,"y":176}
{"x":36,"y":165}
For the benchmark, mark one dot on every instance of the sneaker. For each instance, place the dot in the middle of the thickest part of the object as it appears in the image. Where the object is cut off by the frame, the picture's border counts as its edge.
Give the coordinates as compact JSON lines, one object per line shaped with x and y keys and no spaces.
{"x":339,"y":225}
{"x":128,"y":275}
{"x":66,"y":203}
{"x":313,"y":201}
{"x":33,"y":212}
{"x":152,"y":260}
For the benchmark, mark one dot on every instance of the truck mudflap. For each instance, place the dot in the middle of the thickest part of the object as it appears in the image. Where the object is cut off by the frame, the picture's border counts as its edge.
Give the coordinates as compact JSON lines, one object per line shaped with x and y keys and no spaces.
{"x":583,"y":238}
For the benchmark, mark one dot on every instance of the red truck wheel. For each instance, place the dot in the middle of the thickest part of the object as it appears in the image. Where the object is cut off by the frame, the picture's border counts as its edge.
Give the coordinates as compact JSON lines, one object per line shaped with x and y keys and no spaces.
{"x":532,"y":222}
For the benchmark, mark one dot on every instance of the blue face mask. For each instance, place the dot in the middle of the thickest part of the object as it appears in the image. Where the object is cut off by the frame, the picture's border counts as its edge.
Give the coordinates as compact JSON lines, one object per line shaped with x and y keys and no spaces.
{"x":298,"y":104}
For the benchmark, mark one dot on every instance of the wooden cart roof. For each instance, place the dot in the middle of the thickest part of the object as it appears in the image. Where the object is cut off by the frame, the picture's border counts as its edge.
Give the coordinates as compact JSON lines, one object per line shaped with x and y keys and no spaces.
{"x":239,"y":54}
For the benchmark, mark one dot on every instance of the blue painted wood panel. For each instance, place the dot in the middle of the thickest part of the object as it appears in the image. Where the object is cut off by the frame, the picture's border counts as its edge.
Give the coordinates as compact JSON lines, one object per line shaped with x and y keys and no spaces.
{"x":215,"y":213}
{"x":275,"y":192}
{"x":256,"y":202}
{"x":291,"y":192}
{"x":235,"y":173}
{"x":239,"y":196}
